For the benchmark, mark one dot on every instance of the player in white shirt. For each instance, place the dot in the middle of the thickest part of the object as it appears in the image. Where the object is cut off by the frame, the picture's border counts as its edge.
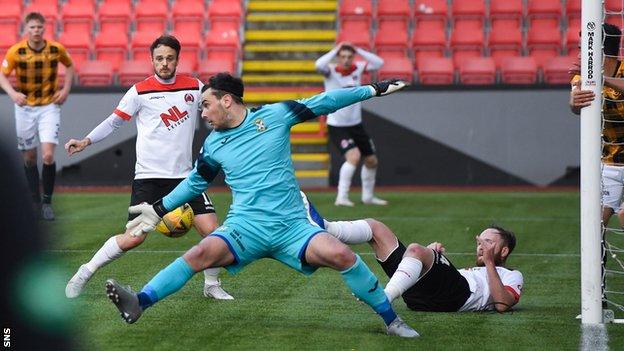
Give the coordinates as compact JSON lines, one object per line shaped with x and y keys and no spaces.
{"x":425,"y":278}
{"x":165,"y":107}
{"x":345,"y":126}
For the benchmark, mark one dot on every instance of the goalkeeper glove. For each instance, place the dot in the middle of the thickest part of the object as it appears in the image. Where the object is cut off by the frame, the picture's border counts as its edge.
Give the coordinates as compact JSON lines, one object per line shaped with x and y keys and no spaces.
{"x":388,"y":86}
{"x":147,"y":219}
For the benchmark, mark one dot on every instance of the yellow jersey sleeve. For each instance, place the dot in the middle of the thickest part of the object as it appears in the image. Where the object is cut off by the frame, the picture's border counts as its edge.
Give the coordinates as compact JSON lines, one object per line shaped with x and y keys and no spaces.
{"x":8,"y":64}
{"x":64,"y":56}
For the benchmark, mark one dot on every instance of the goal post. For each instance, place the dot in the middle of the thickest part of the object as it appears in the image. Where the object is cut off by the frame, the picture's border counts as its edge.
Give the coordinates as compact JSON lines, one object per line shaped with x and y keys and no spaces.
{"x":591,"y":131}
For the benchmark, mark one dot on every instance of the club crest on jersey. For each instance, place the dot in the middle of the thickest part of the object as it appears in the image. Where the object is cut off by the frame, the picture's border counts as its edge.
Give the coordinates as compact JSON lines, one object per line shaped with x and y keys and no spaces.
{"x":189,"y":99}
{"x":260,"y":127}
{"x":174,"y":118}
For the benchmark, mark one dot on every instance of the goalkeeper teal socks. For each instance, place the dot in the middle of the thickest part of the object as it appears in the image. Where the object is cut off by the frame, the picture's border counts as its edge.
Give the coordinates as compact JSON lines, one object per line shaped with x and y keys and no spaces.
{"x":365,"y":286}
{"x":165,"y":283}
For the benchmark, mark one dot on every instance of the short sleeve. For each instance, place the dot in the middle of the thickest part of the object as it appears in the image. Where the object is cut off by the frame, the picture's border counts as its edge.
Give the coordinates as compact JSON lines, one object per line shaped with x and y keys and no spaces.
{"x":8,"y":64}
{"x":513,"y":282}
{"x":64,"y":57}
{"x":129,"y":104}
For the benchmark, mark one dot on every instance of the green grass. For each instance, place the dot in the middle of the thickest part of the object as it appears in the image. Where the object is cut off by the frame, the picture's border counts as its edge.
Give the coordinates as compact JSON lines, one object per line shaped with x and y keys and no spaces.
{"x":276,"y":308}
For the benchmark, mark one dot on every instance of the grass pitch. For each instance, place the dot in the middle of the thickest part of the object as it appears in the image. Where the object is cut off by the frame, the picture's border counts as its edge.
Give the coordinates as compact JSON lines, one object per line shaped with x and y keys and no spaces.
{"x":276,"y":308}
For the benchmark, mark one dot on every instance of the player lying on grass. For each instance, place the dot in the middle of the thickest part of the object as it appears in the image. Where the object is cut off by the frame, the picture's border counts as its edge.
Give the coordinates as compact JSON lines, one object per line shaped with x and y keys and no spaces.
{"x":425,"y":278}
{"x":267,"y":218}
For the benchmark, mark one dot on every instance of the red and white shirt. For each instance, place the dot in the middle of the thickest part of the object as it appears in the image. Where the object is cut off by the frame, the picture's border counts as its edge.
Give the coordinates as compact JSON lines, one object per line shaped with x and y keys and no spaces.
{"x":339,"y":78}
{"x":166,"y":117}
{"x":480,"y":298}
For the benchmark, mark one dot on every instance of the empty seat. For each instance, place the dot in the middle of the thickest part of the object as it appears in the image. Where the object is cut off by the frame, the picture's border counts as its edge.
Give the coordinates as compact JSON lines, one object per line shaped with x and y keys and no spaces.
{"x":191,"y":43}
{"x":152,"y":15}
{"x":222,"y":40}
{"x":612,"y":6}
{"x":544,"y":9}
{"x":78,"y":15}
{"x":556,"y":70}
{"x":95,"y":73}
{"x":134,"y":71}
{"x":431,"y":10}
{"x":616,"y":20}
{"x":519,"y":70}
{"x":468,"y":9}
{"x":506,"y":9}
{"x":394,"y":10}
{"x":140,"y":44}
{"x":185,"y":68}
{"x":208,"y":68}
{"x":438,"y":71}
{"x":188,"y":16}
{"x":505,"y":41}
{"x":477,"y":71}
{"x":11,"y":18}
{"x":572,"y":38}
{"x":115,"y":15}
{"x":111,"y":47}
{"x":356,"y":32}
{"x":543,"y":42}
{"x":573,"y":8}
{"x":429,"y":40}
{"x":356,"y":9}
{"x":466,"y":43}
{"x":392,"y":35}
{"x":396,"y":67}
{"x":78,"y":44}
{"x":225,"y":11}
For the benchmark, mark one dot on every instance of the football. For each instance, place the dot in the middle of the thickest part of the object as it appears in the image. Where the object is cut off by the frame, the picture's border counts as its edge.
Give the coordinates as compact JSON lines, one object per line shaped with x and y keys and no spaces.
{"x":177,"y":222}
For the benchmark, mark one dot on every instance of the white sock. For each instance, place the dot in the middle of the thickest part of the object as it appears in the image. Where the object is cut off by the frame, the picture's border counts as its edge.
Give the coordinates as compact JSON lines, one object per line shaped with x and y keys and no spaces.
{"x":344,"y":182}
{"x":368,"y":182}
{"x":211,"y":276}
{"x":350,"y":232}
{"x":109,"y":252}
{"x":406,"y":275}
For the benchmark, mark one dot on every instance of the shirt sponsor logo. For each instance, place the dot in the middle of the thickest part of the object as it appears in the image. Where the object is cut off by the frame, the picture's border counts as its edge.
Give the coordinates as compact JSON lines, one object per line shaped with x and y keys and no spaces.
{"x":156,"y":97}
{"x":173,"y":118}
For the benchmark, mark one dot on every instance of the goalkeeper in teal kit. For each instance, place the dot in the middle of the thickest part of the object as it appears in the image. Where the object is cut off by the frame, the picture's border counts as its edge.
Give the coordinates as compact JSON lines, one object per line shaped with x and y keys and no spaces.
{"x":267,"y":217}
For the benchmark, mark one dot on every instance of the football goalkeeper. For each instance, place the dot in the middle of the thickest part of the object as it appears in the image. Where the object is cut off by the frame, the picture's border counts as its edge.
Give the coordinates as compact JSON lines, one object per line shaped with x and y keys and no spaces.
{"x":267,"y":217}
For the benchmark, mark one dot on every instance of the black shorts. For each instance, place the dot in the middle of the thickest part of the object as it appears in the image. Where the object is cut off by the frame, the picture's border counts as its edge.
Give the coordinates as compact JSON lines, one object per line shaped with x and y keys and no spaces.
{"x":346,"y":138}
{"x":441,"y":289}
{"x":150,"y":190}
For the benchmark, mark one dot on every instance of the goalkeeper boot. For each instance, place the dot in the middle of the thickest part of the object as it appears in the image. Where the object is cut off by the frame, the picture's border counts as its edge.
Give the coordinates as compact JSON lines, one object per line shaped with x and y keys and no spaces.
{"x":216,"y":291}
{"x":400,"y":328}
{"x":125,"y":300}
{"x":389,"y":86}
{"x":77,"y":283}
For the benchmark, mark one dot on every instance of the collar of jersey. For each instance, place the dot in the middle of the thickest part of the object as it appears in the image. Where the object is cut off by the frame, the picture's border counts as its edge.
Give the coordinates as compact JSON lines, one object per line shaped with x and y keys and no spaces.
{"x":241,"y":123}
{"x":164,"y":82}
{"x":346,"y":71}
{"x":45,"y":44}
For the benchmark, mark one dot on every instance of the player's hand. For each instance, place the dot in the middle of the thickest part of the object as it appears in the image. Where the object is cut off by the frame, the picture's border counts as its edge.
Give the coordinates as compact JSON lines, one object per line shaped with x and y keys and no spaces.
{"x":388,"y":86}
{"x":18,"y":98}
{"x":60,"y":96}
{"x":488,"y":251}
{"x":145,"y":222}
{"x":580,"y":98}
{"x":74,"y":146}
{"x":436,"y":246}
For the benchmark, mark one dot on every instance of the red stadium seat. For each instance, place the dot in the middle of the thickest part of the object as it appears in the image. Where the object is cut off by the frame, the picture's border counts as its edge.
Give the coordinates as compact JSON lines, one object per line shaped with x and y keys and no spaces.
{"x":616,"y":20}
{"x":478,"y":71}
{"x":134,"y":71}
{"x":573,"y":8}
{"x":572,"y":35}
{"x":543,"y":42}
{"x":78,"y":44}
{"x":208,"y":68}
{"x":78,"y":16}
{"x":506,"y":9}
{"x":396,"y":67}
{"x":467,"y":42}
{"x":613,"y":6}
{"x":505,"y":41}
{"x":115,"y":15}
{"x":95,"y":74}
{"x":435,"y":71}
{"x":225,"y":11}
{"x":111,"y":47}
{"x":356,"y":32}
{"x":392,"y":35}
{"x":429,"y":40}
{"x":188,"y":16}
{"x":394,"y":10}
{"x":50,"y":12}
{"x":10,"y":19}
{"x":191,"y":43}
{"x":544,"y":9}
{"x":185,"y":68}
{"x":468,"y":9}
{"x":152,"y":15}
{"x":223,"y":40}
{"x":431,"y":10}
{"x":139,"y":45}
{"x":519,"y":70}
{"x":556,"y":70}
{"x":361,"y":10}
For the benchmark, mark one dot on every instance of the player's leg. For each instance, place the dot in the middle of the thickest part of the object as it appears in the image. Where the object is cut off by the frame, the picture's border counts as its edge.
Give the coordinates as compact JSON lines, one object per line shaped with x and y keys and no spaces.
{"x":416,"y":262}
{"x":343,"y":141}
{"x":27,"y":142}
{"x":48,"y":127}
{"x":323,"y":250}
{"x":206,"y":221}
{"x":611,"y":192}
{"x":369,"y":166}
{"x":212,"y":251}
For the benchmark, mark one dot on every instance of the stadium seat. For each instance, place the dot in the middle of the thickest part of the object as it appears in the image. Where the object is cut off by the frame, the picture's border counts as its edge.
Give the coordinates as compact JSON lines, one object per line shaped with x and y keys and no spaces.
{"x":556,"y":70}
{"x":543,"y":42}
{"x":361,"y":10}
{"x":111,"y":47}
{"x":505,"y":41}
{"x":573,"y":38}
{"x":139,"y":46}
{"x":617,"y":20}
{"x":573,"y":8}
{"x":185,"y":68}
{"x":152,"y":15}
{"x":188,"y":16}
{"x":612,"y":6}
{"x":208,"y":68}
{"x":78,"y":15}
{"x":477,"y":71}
{"x":95,"y":74}
{"x":506,"y":9}
{"x":115,"y":15}
{"x":429,"y":40}
{"x":519,"y":70}
{"x":394,"y":10}
{"x":392,"y":35}
{"x":356,"y":32}
{"x":431,"y":10}
{"x":50,"y":11}
{"x":220,"y":11}
{"x":222,"y":40}
{"x":435,"y":71}
{"x":468,"y":9}
{"x":78,"y":44}
{"x":10,"y":19}
{"x":544,"y":9}
{"x":396,"y":67}
{"x":191,"y":43}
{"x":134,"y":71}
{"x":466,"y":42}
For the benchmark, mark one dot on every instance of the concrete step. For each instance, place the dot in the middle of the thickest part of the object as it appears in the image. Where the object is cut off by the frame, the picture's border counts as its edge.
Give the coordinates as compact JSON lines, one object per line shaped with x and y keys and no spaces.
{"x":308,"y":148}
{"x":306,"y":127}
{"x":293,"y":21}
{"x":312,"y":178}
{"x":278,"y":66}
{"x":290,"y":35}
{"x":291,"y":79}
{"x":292,"y":6}
{"x":310,"y":161}
{"x":286,"y":51}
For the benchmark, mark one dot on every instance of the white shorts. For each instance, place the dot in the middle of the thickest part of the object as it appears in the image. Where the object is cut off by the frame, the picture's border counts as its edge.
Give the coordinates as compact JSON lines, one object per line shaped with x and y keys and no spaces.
{"x":612,"y":186}
{"x":35,"y":124}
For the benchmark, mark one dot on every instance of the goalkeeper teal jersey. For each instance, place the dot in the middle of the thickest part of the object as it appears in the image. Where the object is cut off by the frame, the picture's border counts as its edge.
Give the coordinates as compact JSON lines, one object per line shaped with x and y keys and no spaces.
{"x":255,"y":158}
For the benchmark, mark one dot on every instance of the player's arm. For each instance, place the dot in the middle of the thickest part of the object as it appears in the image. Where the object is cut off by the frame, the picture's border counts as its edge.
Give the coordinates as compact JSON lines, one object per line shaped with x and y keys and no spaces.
{"x":322,"y":63}
{"x":579,"y":98}
{"x":503,"y":297}
{"x":615,"y":83}
{"x":104,"y":129}
{"x":61,"y":95}
{"x":8,"y":64}
{"x":374,"y":62}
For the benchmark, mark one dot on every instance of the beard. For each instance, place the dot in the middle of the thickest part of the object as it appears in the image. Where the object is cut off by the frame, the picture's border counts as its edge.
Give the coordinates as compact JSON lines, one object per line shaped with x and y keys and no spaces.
{"x":498,"y":260}
{"x":169,"y":76}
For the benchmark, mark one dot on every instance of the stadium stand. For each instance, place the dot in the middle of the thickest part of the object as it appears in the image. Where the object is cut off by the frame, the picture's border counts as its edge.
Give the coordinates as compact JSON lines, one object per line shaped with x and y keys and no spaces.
{"x":506,"y":9}
{"x":467,"y":40}
{"x":131,"y":72}
{"x":152,"y":15}
{"x":95,"y":74}
{"x":469,"y":9}
{"x":356,"y":32}
{"x":392,"y":36}
{"x":79,"y":45}
{"x":115,"y":15}
{"x":208,"y":68}
{"x":111,"y":47}
{"x":78,"y":16}
{"x":188,"y":16}
{"x":477,"y":71}
{"x":431,"y":10}
{"x":556,"y":70}
{"x":505,"y":40}
{"x":50,"y":11}
{"x":139,"y":45}
{"x":396,"y":67}
{"x":429,"y":41}
{"x":543,"y":40}
{"x":435,"y":71}
{"x":358,"y":10}
{"x":394,"y":11}
{"x":519,"y":70}
{"x":192,"y":46}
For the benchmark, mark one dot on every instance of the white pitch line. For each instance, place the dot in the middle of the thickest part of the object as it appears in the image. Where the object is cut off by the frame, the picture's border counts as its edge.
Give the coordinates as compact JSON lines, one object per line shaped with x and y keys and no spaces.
{"x":359,"y":253}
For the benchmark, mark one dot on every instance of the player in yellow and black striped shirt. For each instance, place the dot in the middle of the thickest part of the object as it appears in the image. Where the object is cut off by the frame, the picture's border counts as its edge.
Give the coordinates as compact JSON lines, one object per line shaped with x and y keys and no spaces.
{"x":37,"y":99}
